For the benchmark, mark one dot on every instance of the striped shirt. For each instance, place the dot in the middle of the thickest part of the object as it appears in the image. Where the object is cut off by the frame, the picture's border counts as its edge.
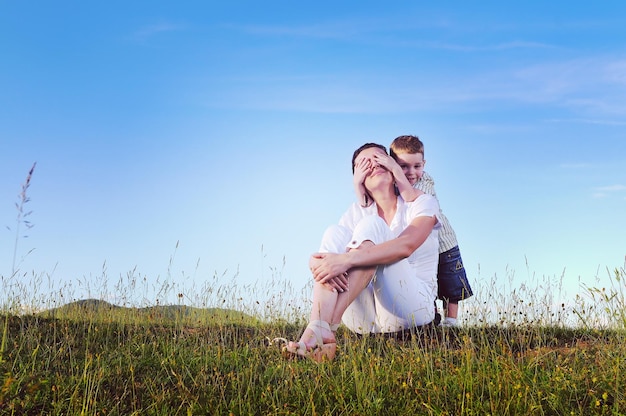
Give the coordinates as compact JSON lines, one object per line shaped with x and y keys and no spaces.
{"x":447,"y":236}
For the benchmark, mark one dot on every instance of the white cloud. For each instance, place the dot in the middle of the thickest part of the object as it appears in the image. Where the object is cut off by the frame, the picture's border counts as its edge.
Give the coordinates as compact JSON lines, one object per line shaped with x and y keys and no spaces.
{"x":591,"y":87}
{"x":606,"y":191}
{"x":611,"y":188}
{"x":155,"y":29}
{"x":616,"y":72}
{"x":575,"y":165}
{"x":475,"y":48}
{"x":604,"y":122}
{"x":593,"y":84}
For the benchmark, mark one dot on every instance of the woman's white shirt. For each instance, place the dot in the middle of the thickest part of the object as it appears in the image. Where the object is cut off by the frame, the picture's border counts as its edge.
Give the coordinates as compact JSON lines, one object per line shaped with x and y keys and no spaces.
{"x":425,"y":258}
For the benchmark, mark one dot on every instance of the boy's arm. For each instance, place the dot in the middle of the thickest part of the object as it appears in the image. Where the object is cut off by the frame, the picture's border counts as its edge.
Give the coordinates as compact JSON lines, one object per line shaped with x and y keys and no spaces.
{"x":406,"y":190}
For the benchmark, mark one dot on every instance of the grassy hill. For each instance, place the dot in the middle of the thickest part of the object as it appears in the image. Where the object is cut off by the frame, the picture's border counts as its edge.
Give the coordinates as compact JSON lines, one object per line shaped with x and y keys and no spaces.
{"x":103,"y":311}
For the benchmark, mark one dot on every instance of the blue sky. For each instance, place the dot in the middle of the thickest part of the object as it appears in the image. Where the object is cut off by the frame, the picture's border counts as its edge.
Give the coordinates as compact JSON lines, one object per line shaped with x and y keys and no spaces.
{"x":227,"y":129}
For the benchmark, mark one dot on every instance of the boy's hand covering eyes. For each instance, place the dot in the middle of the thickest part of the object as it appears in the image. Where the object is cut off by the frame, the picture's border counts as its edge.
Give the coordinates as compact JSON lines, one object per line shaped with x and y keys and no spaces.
{"x":390,"y":164}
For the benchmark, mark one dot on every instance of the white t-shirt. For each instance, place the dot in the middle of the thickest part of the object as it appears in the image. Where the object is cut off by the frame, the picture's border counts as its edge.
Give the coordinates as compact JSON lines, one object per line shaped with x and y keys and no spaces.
{"x":425,"y":258}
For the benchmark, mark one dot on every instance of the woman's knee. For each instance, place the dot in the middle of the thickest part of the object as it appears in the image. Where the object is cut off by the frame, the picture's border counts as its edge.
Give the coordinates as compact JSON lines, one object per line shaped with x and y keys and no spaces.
{"x":335,"y":239}
{"x":372,"y":228}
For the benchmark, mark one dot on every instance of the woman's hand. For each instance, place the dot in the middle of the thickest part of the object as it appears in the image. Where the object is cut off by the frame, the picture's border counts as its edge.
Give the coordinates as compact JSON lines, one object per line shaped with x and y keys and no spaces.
{"x":362,"y":167}
{"x":329,"y":270}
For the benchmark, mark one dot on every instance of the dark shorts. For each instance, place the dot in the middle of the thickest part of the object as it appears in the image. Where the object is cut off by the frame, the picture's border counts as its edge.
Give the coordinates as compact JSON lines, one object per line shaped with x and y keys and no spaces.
{"x":451,"y":277}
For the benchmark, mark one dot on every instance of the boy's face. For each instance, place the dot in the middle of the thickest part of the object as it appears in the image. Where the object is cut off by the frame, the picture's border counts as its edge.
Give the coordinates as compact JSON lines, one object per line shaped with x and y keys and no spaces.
{"x":412,"y":165}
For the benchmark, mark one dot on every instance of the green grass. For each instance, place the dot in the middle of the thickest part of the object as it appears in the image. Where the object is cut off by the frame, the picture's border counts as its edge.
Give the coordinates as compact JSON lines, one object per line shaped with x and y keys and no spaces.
{"x":92,"y":357}
{"x":520,"y":351}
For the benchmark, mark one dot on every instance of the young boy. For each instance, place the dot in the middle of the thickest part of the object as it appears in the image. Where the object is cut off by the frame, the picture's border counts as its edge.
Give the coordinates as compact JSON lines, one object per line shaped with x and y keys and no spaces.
{"x":407,"y":166}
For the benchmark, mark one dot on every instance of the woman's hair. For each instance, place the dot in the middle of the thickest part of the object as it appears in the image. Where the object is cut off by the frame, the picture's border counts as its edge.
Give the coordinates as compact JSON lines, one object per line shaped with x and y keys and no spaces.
{"x":366,"y":146}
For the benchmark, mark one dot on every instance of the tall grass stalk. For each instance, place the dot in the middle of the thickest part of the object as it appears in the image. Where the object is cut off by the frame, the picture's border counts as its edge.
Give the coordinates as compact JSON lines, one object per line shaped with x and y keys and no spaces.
{"x":22,"y":214}
{"x":21,"y":219}
{"x":604,"y":306}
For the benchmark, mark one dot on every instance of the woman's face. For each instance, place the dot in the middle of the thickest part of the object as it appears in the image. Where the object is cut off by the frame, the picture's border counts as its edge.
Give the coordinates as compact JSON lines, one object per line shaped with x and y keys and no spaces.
{"x":376,"y":172}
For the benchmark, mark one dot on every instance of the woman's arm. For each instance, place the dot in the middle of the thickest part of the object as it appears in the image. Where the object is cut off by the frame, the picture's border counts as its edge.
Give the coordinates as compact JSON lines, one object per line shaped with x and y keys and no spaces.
{"x":401,"y":247}
{"x":361,"y":195}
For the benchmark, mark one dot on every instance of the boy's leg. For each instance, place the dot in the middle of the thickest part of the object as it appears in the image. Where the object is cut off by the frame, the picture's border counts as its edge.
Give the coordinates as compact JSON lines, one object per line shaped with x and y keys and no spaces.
{"x":452,"y":310}
{"x":453,"y":284}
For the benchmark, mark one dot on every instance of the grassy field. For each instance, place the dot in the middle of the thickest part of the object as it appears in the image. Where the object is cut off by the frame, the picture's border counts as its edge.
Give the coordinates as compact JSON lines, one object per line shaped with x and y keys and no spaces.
{"x":519,"y":351}
{"x":91,"y":357}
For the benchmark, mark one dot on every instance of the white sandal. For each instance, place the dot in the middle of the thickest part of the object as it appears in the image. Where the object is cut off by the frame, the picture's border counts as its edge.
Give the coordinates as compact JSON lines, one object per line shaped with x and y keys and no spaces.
{"x":320,"y":351}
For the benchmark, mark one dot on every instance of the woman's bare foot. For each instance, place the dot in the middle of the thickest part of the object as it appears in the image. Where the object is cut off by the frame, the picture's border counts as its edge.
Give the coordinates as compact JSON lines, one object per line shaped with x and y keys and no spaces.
{"x":317,"y":342}
{"x":311,"y":336}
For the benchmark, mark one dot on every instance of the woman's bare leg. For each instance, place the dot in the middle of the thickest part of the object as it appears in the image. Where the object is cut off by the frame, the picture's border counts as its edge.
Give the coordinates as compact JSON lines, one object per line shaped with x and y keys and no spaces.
{"x":329,"y":306}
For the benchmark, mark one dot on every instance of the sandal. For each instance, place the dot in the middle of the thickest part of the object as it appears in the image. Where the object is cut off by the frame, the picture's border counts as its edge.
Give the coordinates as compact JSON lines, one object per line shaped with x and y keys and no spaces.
{"x":319,"y":352}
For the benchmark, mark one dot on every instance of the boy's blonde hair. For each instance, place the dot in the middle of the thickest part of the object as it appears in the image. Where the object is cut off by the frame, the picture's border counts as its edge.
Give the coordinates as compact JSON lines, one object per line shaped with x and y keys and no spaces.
{"x":406,"y":144}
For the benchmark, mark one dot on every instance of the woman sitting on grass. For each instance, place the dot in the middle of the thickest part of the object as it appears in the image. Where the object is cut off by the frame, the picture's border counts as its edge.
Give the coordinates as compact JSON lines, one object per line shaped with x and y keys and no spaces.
{"x":376,"y":270}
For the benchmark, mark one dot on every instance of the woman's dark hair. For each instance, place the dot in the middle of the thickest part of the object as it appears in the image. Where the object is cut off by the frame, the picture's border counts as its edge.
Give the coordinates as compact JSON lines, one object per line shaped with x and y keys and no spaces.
{"x":366,"y":146}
